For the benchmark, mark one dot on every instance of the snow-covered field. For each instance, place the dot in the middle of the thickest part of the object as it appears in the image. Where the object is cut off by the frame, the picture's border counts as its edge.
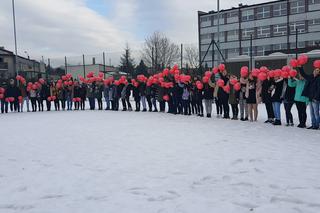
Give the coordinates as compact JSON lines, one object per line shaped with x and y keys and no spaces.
{"x":128,"y":162}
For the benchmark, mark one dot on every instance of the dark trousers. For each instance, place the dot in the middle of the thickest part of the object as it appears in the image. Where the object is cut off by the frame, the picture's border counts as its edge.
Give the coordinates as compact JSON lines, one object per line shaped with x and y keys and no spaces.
{"x":83,"y":103}
{"x":34,"y":104}
{"x":57,"y":105}
{"x":77,"y":105}
{"x":186,"y":107}
{"x":92,"y":103}
{"x":14,"y":106}
{"x":194,"y":108}
{"x":226,"y":108}
{"x":4,"y":106}
{"x":178,"y":105}
{"x":200,"y":107}
{"x":218,"y":106}
{"x":115,"y":104}
{"x":40,"y":103}
{"x":48,"y":103}
{"x":235,"y":110}
{"x":63,"y":104}
{"x":302,"y":108}
{"x":162,"y":105}
{"x":149,"y":103}
{"x":100,"y":105}
{"x":138,"y":105}
{"x":269,"y":109}
{"x":289,"y":117}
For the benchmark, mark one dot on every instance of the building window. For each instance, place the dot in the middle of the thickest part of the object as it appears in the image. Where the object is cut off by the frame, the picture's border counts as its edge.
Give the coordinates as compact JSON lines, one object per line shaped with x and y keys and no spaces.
{"x":247,"y":15}
{"x":261,"y":50}
{"x":205,"y":36}
{"x":263,"y":12}
{"x":300,"y":45}
{"x":280,"y":9}
{"x":246,"y":33}
{"x":246,"y":51}
{"x":233,"y":35}
{"x":282,"y":46}
{"x":297,"y":7}
{"x":204,"y":19}
{"x":263,"y":32}
{"x":314,"y":22}
{"x":232,"y":14}
{"x":233,"y":51}
{"x":314,"y":43}
{"x":314,"y":2}
{"x":280,"y":30}
{"x":299,"y":25}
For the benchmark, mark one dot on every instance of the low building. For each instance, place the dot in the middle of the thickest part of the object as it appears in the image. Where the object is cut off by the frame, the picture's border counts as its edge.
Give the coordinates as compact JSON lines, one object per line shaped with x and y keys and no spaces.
{"x":83,"y":70}
{"x":26,"y":67}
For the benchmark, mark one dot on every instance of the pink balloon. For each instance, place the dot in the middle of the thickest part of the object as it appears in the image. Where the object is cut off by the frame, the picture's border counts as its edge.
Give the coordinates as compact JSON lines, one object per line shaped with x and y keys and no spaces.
{"x":302,"y":59}
{"x":233,"y":81}
{"x":166,"y":97}
{"x":255,"y":72}
{"x":262,"y":76}
{"x":293,"y":73}
{"x":226,"y":88}
{"x":237,"y":86}
{"x":294,"y":63}
{"x":222,"y":67}
{"x":215,"y":70}
{"x":244,"y":72}
{"x":220,"y":83}
{"x":316,"y":64}
{"x":205,"y":79}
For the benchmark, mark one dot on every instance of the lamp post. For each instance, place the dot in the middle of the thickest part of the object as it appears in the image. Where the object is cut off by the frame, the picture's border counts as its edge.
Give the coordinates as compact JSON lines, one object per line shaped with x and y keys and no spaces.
{"x":15,"y":38}
{"x":218,"y":29}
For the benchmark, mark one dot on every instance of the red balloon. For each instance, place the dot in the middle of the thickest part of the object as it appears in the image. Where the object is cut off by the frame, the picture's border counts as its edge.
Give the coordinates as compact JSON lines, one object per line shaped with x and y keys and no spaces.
{"x":165,"y":72}
{"x":271,"y":74}
{"x":34,"y":87}
{"x":64,"y":78}
{"x":316,"y":64}
{"x":205,"y":79}
{"x":294,"y":63}
{"x":208,"y":74}
{"x":233,"y":81}
{"x":1,"y":96}
{"x":220,"y":83}
{"x":18,"y":77}
{"x":199,"y":85}
{"x":215,"y":70}
{"x":284,"y":74}
{"x":53,"y":98}
{"x":244,"y":72}
{"x":226,"y":88}
{"x":11,"y":99}
{"x":41,"y":81}
{"x":293,"y":73}
{"x":2,"y":90}
{"x":237,"y":86}
{"x":222,"y":67}
{"x":302,"y":59}
{"x":262,"y":76}
{"x":277,"y":73}
{"x":264,"y":69}
{"x":255,"y":72}
{"x":49,"y":99}
{"x":166,"y":97}
{"x":286,"y":68}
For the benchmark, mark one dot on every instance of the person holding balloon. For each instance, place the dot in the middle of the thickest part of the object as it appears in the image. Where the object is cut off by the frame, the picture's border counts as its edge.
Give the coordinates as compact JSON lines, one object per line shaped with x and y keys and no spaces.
{"x":234,"y":95}
{"x":12,"y":93}
{"x":33,"y":97}
{"x":83,"y":95}
{"x":288,"y":101}
{"x":276,"y":97}
{"x":3,"y":98}
{"x":25,"y":97}
{"x":251,"y":98}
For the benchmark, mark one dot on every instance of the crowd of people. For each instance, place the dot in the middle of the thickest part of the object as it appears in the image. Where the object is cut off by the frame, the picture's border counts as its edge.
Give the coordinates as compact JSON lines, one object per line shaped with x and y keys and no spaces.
{"x":179,"y":93}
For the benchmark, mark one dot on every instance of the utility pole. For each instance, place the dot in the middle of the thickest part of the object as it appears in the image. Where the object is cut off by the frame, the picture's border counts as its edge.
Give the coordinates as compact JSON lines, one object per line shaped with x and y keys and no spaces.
{"x":104,"y":64}
{"x":181,"y":56}
{"x":15,"y":38}
{"x":152,"y":60}
{"x":65,"y":65}
{"x":218,"y":29}
{"x":84,"y":66}
{"x":251,"y":55}
{"x":296,"y":42}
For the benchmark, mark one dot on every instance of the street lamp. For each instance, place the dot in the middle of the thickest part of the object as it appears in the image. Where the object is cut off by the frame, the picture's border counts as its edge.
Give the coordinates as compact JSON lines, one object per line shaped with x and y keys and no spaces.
{"x":15,"y":37}
{"x":218,"y":28}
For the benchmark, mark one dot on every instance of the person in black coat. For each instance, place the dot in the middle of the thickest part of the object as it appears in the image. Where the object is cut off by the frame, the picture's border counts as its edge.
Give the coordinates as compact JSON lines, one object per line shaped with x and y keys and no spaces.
{"x":266,"y":99}
{"x":83,"y":95}
{"x":76,"y":94}
{"x":45,"y":94}
{"x":4,"y":103}
{"x":276,"y":97}
{"x":137,"y":97}
{"x":288,"y":101}
{"x":13,"y":91}
{"x":224,"y":96}
{"x":312,"y":91}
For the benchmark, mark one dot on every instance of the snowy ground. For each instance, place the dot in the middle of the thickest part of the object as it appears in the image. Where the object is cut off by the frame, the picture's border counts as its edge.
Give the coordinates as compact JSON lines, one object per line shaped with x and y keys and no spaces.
{"x":127,"y":162}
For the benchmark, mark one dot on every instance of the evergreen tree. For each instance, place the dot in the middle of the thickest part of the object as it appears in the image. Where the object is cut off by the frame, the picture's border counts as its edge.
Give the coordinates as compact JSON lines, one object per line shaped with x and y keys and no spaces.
{"x":141,"y":69}
{"x":127,"y":62}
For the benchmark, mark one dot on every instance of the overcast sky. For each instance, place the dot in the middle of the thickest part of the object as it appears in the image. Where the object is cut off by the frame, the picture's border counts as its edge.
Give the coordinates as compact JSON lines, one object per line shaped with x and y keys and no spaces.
{"x":55,"y":28}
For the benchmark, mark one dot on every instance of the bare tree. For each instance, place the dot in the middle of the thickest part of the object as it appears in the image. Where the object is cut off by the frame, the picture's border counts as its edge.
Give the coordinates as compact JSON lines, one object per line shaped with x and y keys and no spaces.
{"x":159,"y":52}
{"x":192,"y":56}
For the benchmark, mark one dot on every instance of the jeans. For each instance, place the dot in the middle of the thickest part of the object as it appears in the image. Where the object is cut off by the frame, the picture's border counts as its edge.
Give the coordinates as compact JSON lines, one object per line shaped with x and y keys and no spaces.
{"x":92,"y":103}
{"x":218,"y":106}
{"x":301,"y":107}
{"x":314,"y":112}
{"x":276,"y":110}
{"x":208,"y":106}
{"x":25,"y":100}
{"x":235,"y":111}
{"x":186,"y":107}
{"x":144,"y":103}
{"x":107,"y":102}
{"x":69,"y":103}
{"x":4,"y":106}
{"x":243,"y":108}
{"x":289,"y":117}
{"x":270,"y":111}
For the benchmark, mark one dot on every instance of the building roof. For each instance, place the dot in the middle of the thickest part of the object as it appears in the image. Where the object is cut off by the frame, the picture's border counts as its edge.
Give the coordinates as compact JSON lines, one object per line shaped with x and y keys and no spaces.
{"x":201,"y":13}
{"x":7,"y":52}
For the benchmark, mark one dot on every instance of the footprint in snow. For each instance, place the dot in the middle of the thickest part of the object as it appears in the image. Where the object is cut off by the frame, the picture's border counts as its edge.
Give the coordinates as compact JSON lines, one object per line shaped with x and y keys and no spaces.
{"x":17,"y":207}
{"x":52,"y":197}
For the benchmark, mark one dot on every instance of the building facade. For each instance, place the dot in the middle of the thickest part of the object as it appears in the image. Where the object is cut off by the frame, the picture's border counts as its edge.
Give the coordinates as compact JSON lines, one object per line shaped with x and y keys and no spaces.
{"x":25,"y":66}
{"x":272,"y":26}
{"x":80,"y":70}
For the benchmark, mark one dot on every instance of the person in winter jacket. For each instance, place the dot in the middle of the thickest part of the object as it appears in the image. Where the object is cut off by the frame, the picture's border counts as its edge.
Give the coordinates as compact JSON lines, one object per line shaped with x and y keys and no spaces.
{"x":45,"y":94}
{"x":91,"y":95}
{"x":13,"y":91}
{"x":251,"y":98}
{"x":33,"y":97}
{"x":76,"y":94}
{"x":4,"y":103}
{"x":69,"y":97}
{"x":55,"y":93}
{"x":301,"y":101}
{"x":154,"y":97}
{"x":137,"y":97}
{"x":312,"y":91}
{"x":276,"y":97}
{"x":142,"y":92}
{"x":162,"y":103}
{"x":288,"y":101}
{"x":208,"y":90}
{"x":223,"y":96}
{"x":83,"y":96}
{"x":106,"y":94}
{"x":149,"y":97}
{"x":62,"y":97}
{"x":98,"y":94}
{"x":243,"y":99}
{"x":186,"y":100}
{"x":266,"y":99}
{"x":234,"y":102}
{"x":25,"y":97}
